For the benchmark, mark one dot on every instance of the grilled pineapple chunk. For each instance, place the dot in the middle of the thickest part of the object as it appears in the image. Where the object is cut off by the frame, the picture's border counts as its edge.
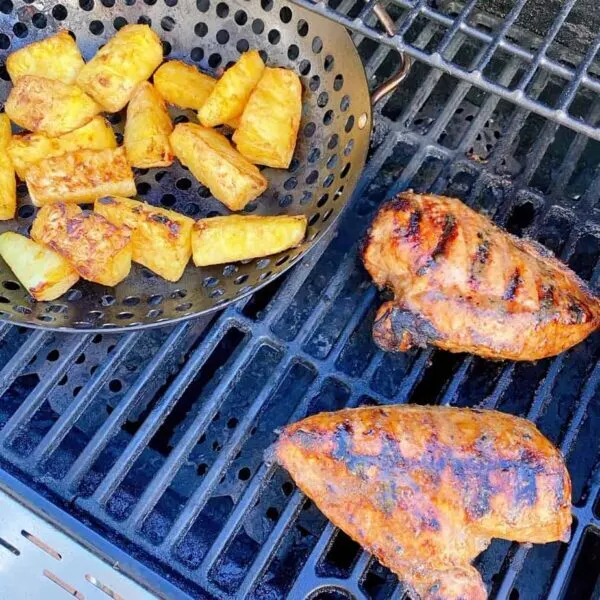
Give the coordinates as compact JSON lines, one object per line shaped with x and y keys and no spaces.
{"x":5,"y":131}
{"x":8,"y":183}
{"x":147,"y":129}
{"x":216,"y":164}
{"x":28,"y":149}
{"x":48,"y":106}
{"x":98,"y":250}
{"x":45,"y":274}
{"x":161,"y":239}
{"x":127,"y":59}
{"x":240,"y":237}
{"x":80,"y":176}
{"x":229,"y":96}
{"x":183,"y":85}
{"x":56,"y":57}
{"x":269,"y":124}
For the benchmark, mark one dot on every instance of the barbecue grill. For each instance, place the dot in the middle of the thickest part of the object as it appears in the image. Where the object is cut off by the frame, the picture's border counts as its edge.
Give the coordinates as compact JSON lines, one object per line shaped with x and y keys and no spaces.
{"x":146,"y":448}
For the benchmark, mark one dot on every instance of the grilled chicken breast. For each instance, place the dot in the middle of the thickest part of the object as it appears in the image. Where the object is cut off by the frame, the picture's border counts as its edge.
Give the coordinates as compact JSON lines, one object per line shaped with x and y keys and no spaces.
{"x":465,"y":285}
{"x":425,"y":488}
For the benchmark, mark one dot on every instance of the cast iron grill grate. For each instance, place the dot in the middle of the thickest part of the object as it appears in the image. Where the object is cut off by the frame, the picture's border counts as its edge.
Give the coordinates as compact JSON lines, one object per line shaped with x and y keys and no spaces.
{"x":554,"y":38}
{"x":155,"y":439}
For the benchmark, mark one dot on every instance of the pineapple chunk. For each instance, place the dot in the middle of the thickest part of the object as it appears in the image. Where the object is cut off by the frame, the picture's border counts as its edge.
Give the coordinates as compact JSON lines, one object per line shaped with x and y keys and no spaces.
{"x":147,"y":129}
{"x":45,"y":274}
{"x":5,"y":131}
{"x":48,"y":106}
{"x":56,"y":57}
{"x":269,"y":124}
{"x":127,"y":59}
{"x":81,"y":176}
{"x":8,"y":183}
{"x":241,"y":237}
{"x":98,"y":250}
{"x":8,"y":188}
{"x":28,"y":149}
{"x":216,"y":164}
{"x":230,"y":94}
{"x":161,"y":239}
{"x":183,"y":85}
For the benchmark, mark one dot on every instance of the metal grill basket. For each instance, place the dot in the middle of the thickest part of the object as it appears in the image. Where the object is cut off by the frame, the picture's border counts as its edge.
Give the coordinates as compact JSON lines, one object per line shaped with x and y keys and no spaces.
{"x":330,"y":154}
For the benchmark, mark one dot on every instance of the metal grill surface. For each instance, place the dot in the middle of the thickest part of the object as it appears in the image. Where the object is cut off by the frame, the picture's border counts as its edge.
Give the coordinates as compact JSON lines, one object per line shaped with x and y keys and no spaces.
{"x":154,"y":440}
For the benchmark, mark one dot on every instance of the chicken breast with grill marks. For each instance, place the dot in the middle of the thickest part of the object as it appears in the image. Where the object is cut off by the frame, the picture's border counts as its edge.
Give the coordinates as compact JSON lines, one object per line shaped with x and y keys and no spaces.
{"x":424,"y":489}
{"x":465,"y":285}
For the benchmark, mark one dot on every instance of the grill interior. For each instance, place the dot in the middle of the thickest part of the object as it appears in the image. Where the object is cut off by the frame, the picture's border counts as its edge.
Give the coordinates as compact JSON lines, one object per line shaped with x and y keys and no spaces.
{"x":155,"y":439}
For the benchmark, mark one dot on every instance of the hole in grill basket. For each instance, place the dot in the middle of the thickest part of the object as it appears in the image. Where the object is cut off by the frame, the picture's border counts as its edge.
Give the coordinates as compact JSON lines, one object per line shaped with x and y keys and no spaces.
{"x":119,"y":23}
{"x":59,"y":12}
{"x":39,"y":20}
{"x":197,"y":54}
{"x":258,"y":26}
{"x":167,"y":23}
{"x":214,"y":60}
{"x":20,"y":30}
{"x":97,"y":27}
{"x":222,"y":37}
{"x":304,"y":67}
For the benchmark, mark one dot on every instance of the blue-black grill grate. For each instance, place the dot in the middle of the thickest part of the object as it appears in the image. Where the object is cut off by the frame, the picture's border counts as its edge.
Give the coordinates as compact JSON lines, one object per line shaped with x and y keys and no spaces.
{"x":155,"y":439}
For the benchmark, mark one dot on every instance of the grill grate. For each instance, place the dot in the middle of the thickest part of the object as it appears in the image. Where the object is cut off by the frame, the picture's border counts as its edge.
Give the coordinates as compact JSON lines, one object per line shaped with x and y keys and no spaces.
{"x":155,"y":439}
{"x":545,"y":38}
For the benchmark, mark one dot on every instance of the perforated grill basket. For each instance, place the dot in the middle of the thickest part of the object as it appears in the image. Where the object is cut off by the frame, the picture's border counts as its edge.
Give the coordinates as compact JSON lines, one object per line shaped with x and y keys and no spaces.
{"x":330,"y":154}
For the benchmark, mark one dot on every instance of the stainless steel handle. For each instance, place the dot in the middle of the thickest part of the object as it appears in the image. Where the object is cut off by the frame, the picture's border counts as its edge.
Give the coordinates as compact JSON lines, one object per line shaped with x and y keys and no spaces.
{"x":406,"y":61}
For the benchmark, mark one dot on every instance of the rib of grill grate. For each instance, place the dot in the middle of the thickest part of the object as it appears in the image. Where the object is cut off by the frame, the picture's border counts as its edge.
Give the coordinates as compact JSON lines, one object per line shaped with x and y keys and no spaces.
{"x":155,"y":439}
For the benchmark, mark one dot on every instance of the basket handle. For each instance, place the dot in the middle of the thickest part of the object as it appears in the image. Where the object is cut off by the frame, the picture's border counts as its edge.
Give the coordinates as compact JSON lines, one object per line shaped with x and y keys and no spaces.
{"x":406,"y":61}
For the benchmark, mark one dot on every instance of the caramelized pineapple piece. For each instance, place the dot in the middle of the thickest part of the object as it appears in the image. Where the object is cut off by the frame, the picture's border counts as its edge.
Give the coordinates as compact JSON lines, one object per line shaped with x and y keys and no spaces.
{"x":161,"y":238}
{"x":269,"y":124}
{"x":217,"y":165}
{"x":127,"y":59}
{"x":98,"y":250}
{"x":44,"y":273}
{"x":147,"y":129}
{"x":56,"y":57}
{"x":49,"y":106}
{"x":28,"y":149}
{"x":183,"y":85}
{"x":241,"y":237}
{"x":230,"y":95}
{"x":80,"y":176}
{"x":8,"y":183}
